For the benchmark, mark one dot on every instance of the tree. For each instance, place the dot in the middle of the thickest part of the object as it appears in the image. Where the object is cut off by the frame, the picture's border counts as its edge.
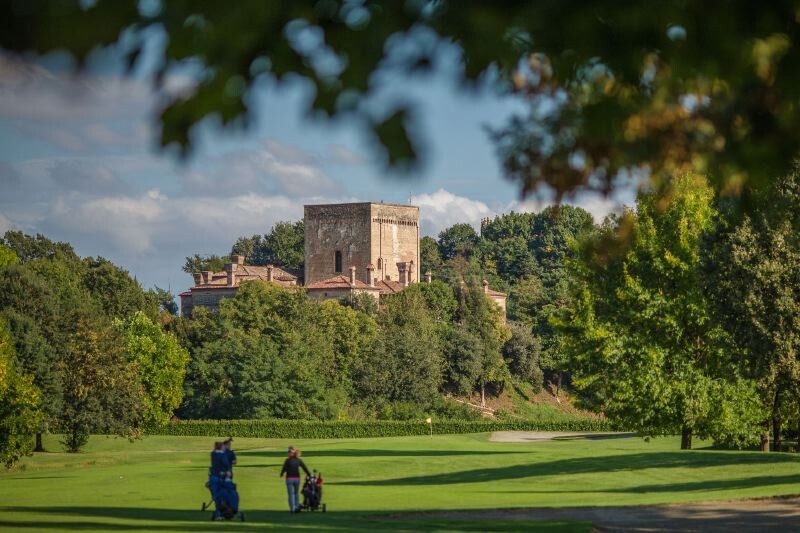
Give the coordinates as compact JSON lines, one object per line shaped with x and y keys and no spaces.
{"x":101,"y":390}
{"x":28,"y":248}
{"x":439,"y":298}
{"x":7,"y":256}
{"x":752,"y":274}
{"x":19,"y":405}
{"x":160,"y":364}
{"x":268,"y":354}
{"x":463,"y":353}
{"x":639,"y":334}
{"x":284,"y":245}
{"x":522,"y":352}
{"x":203,"y":263}
{"x":118,"y":294}
{"x":457,"y":240}
{"x":429,"y":257}
{"x":37,"y":358}
{"x":406,"y":362}
{"x":483,"y":319}
{"x":351,"y":333}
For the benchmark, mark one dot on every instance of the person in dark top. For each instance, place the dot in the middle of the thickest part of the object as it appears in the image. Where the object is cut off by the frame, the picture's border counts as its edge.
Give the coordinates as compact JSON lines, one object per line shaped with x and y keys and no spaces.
{"x":230,"y":455}
{"x":220,"y":467}
{"x":291,"y":467}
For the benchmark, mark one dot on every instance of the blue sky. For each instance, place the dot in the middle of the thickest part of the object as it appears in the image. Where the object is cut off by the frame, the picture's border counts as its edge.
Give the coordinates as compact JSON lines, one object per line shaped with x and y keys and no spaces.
{"x":78,"y":163}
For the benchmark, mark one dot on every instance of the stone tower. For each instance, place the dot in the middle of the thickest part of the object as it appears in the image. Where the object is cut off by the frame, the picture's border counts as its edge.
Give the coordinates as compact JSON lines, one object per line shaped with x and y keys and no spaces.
{"x":340,"y":236}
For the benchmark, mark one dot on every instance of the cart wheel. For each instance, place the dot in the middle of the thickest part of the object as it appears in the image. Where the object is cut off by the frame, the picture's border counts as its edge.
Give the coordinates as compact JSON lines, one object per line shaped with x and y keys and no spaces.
{"x":324,"y":507}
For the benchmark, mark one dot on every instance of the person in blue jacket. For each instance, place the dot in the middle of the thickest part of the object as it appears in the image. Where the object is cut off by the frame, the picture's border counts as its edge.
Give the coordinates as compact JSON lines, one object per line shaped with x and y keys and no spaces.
{"x":220,"y":466}
{"x":230,"y":455}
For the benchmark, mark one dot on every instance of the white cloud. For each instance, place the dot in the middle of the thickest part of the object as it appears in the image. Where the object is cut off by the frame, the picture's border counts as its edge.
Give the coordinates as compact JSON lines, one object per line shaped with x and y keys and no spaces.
{"x":344,"y":156}
{"x":597,"y":204}
{"x":274,"y":169}
{"x":442,"y":209}
{"x":5,"y":224}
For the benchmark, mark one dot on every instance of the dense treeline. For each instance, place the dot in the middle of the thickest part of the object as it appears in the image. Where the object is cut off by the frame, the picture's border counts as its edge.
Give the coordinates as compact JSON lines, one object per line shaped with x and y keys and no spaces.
{"x":81,"y":347}
{"x":271,"y":352}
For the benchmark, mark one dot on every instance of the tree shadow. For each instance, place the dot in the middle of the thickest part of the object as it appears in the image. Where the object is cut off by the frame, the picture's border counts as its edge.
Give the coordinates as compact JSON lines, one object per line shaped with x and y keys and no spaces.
{"x":585,"y":465}
{"x":689,"y":486}
{"x":95,"y":518}
{"x":379,"y":453}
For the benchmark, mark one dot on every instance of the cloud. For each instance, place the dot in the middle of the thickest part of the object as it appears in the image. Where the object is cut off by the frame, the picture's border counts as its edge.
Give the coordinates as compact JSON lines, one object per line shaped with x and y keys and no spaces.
{"x":32,"y":92}
{"x":597,"y":204}
{"x":273,"y":169}
{"x":344,"y":156}
{"x":442,"y":209}
{"x":5,"y":224}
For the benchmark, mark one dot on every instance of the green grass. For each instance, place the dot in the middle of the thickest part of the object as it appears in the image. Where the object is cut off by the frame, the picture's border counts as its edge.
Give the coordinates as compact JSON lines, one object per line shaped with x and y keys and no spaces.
{"x":156,"y":484}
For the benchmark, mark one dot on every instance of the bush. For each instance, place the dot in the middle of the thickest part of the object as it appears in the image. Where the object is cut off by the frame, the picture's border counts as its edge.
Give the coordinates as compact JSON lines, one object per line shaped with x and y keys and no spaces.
{"x":309,"y":429}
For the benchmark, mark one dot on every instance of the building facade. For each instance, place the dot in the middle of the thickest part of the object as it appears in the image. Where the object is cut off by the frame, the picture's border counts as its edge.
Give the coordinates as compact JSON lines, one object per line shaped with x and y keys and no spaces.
{"x":340,"y":236}
{"x":211,"y":287}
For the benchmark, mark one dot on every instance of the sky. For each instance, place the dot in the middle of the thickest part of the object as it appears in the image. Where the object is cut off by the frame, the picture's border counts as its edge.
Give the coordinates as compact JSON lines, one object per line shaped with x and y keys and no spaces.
{"x":79,"y":162}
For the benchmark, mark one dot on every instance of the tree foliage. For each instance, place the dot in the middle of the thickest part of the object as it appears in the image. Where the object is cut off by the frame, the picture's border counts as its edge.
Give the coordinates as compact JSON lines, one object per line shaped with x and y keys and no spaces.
{"x":284,"y":245}
{"x":101,"y":392}
{"x":19,"y":405}
{"x":159,"y":363}
{"x":752,"y":274}
{"x":639,"y":333}
{"x":612,"y":87}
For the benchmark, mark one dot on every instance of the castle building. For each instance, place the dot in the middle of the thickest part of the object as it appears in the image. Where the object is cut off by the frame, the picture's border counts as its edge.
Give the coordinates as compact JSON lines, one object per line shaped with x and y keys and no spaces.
{"x":211,"y":287}
{"x":350,"y":249}
{"x":360,"y":235}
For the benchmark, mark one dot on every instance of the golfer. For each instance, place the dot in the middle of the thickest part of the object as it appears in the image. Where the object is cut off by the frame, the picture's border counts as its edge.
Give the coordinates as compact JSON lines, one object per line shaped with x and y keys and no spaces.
{"x":291,"y":467}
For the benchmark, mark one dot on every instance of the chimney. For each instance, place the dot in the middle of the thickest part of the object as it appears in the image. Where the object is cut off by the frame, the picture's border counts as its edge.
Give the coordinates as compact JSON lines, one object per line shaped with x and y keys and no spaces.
{"x":428,"y":276}
{"x":237,"y":259}
{"x":208,"y":276}
{"x":198,"y":278}
{"x":352,"y":275}
{"x":269,"y":273}
{"x":485,"y":286}
{"x":230,"y":269}
{"x":371,"y":275}
{"x":402,"y":268}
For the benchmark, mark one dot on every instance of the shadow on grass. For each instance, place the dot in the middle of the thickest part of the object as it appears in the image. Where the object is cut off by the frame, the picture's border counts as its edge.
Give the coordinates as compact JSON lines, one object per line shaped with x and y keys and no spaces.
{"x":96,"y":518}
{"x":588,"y":465}
{"x":378,"y":453}
{"x":690,"y":486}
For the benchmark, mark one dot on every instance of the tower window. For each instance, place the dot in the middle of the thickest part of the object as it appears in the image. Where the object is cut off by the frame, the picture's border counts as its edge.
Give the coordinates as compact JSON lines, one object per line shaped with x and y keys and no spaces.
{"x":337,"y":261}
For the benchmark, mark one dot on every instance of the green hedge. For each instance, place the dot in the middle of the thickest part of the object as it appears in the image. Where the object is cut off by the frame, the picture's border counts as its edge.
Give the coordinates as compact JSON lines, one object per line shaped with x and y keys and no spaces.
{"x":309,"y":429}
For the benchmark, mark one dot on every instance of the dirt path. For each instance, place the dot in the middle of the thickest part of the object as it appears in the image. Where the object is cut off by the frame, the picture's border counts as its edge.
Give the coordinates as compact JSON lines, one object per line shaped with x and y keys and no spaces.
{"x":539,"y":436}
{"x":734,"y":516}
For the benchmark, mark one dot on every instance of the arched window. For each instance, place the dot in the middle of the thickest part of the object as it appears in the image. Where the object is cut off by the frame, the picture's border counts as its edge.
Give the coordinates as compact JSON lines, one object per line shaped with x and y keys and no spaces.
{"x":337,"y":261}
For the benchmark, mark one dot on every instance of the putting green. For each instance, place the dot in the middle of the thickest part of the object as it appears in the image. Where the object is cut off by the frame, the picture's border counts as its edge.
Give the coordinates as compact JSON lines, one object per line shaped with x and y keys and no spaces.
{"x":156,"y":484}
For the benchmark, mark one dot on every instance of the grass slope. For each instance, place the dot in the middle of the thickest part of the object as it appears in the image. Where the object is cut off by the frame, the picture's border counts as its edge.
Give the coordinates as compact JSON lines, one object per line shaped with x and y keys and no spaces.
{"x":157,"y":484}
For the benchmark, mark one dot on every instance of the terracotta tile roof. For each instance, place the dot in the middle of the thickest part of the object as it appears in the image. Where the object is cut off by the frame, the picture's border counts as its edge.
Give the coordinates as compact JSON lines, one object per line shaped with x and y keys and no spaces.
{"x":219,"y":280}
{"x":389,"y":286}
{"x":339,"y":282}
{"x":185,"y":293}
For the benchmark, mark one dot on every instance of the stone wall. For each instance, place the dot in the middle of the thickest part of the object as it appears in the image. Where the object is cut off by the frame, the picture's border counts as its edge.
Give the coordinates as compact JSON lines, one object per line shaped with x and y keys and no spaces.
{"x":395,"y":238}
{"x":328,"y":228}
{"x":363,"y":233}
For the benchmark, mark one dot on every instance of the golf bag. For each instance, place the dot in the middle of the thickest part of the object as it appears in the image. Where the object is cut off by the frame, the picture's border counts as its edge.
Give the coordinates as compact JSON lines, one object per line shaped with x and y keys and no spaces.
{"x":225,"y":499}
{"x":312,"y":493}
